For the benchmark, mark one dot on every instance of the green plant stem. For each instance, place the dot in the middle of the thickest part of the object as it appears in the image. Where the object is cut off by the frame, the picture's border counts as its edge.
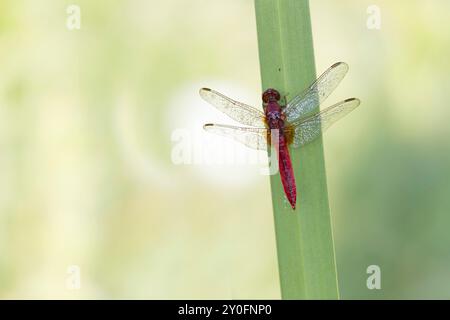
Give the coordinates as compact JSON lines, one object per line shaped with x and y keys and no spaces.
{"x":304,"y":238}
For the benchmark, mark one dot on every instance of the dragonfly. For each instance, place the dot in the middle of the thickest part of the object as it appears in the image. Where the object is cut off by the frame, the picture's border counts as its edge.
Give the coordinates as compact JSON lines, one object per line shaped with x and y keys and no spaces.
{"x":282,"y":125}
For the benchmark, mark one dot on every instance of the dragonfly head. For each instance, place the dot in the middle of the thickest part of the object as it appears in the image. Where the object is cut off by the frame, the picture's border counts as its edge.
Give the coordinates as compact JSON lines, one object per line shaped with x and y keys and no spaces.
{"x":271,"y":95}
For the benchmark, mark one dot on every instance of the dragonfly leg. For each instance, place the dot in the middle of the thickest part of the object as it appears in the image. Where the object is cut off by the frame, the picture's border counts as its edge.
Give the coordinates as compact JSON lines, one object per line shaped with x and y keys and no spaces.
{"x":285,"y":99}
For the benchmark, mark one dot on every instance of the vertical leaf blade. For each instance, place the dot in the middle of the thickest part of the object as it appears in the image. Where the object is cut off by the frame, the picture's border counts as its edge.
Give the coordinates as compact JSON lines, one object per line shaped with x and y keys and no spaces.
{"x":304,"y":237}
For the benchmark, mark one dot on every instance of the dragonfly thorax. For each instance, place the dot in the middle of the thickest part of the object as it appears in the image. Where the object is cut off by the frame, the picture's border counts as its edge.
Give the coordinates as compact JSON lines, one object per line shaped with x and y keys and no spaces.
{"x":274,"y":115}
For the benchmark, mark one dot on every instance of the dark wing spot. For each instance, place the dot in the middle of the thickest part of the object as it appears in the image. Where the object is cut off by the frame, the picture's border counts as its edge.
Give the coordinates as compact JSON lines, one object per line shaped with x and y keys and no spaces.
{"x":336,"y":64}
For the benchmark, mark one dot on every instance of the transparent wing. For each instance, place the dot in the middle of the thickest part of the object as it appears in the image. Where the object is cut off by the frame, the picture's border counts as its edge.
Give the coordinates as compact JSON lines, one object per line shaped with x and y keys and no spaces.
{"x":310,"y":128}
{"x":255,"y":138}
{"x":312,"y":97}
{"x":238,"y":111}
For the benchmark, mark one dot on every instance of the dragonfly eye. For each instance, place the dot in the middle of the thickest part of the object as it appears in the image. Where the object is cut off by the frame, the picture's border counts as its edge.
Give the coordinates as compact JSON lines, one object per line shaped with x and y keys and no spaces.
{"x":270,"y":95}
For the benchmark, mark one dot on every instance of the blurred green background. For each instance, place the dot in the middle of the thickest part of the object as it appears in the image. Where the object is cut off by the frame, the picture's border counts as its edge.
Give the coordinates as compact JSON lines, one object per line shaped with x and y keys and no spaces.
{"x":86,"y":134}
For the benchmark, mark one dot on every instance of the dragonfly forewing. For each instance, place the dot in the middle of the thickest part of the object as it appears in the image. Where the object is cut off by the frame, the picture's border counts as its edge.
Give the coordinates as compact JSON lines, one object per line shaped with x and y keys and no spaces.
{"x":306,"y":102}
{"x":238,"y":111}
{"x":310,"y":128}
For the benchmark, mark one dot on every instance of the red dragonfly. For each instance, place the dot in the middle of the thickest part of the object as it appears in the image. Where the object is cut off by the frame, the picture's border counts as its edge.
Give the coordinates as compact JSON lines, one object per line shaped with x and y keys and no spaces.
{"x":296,"y":123}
